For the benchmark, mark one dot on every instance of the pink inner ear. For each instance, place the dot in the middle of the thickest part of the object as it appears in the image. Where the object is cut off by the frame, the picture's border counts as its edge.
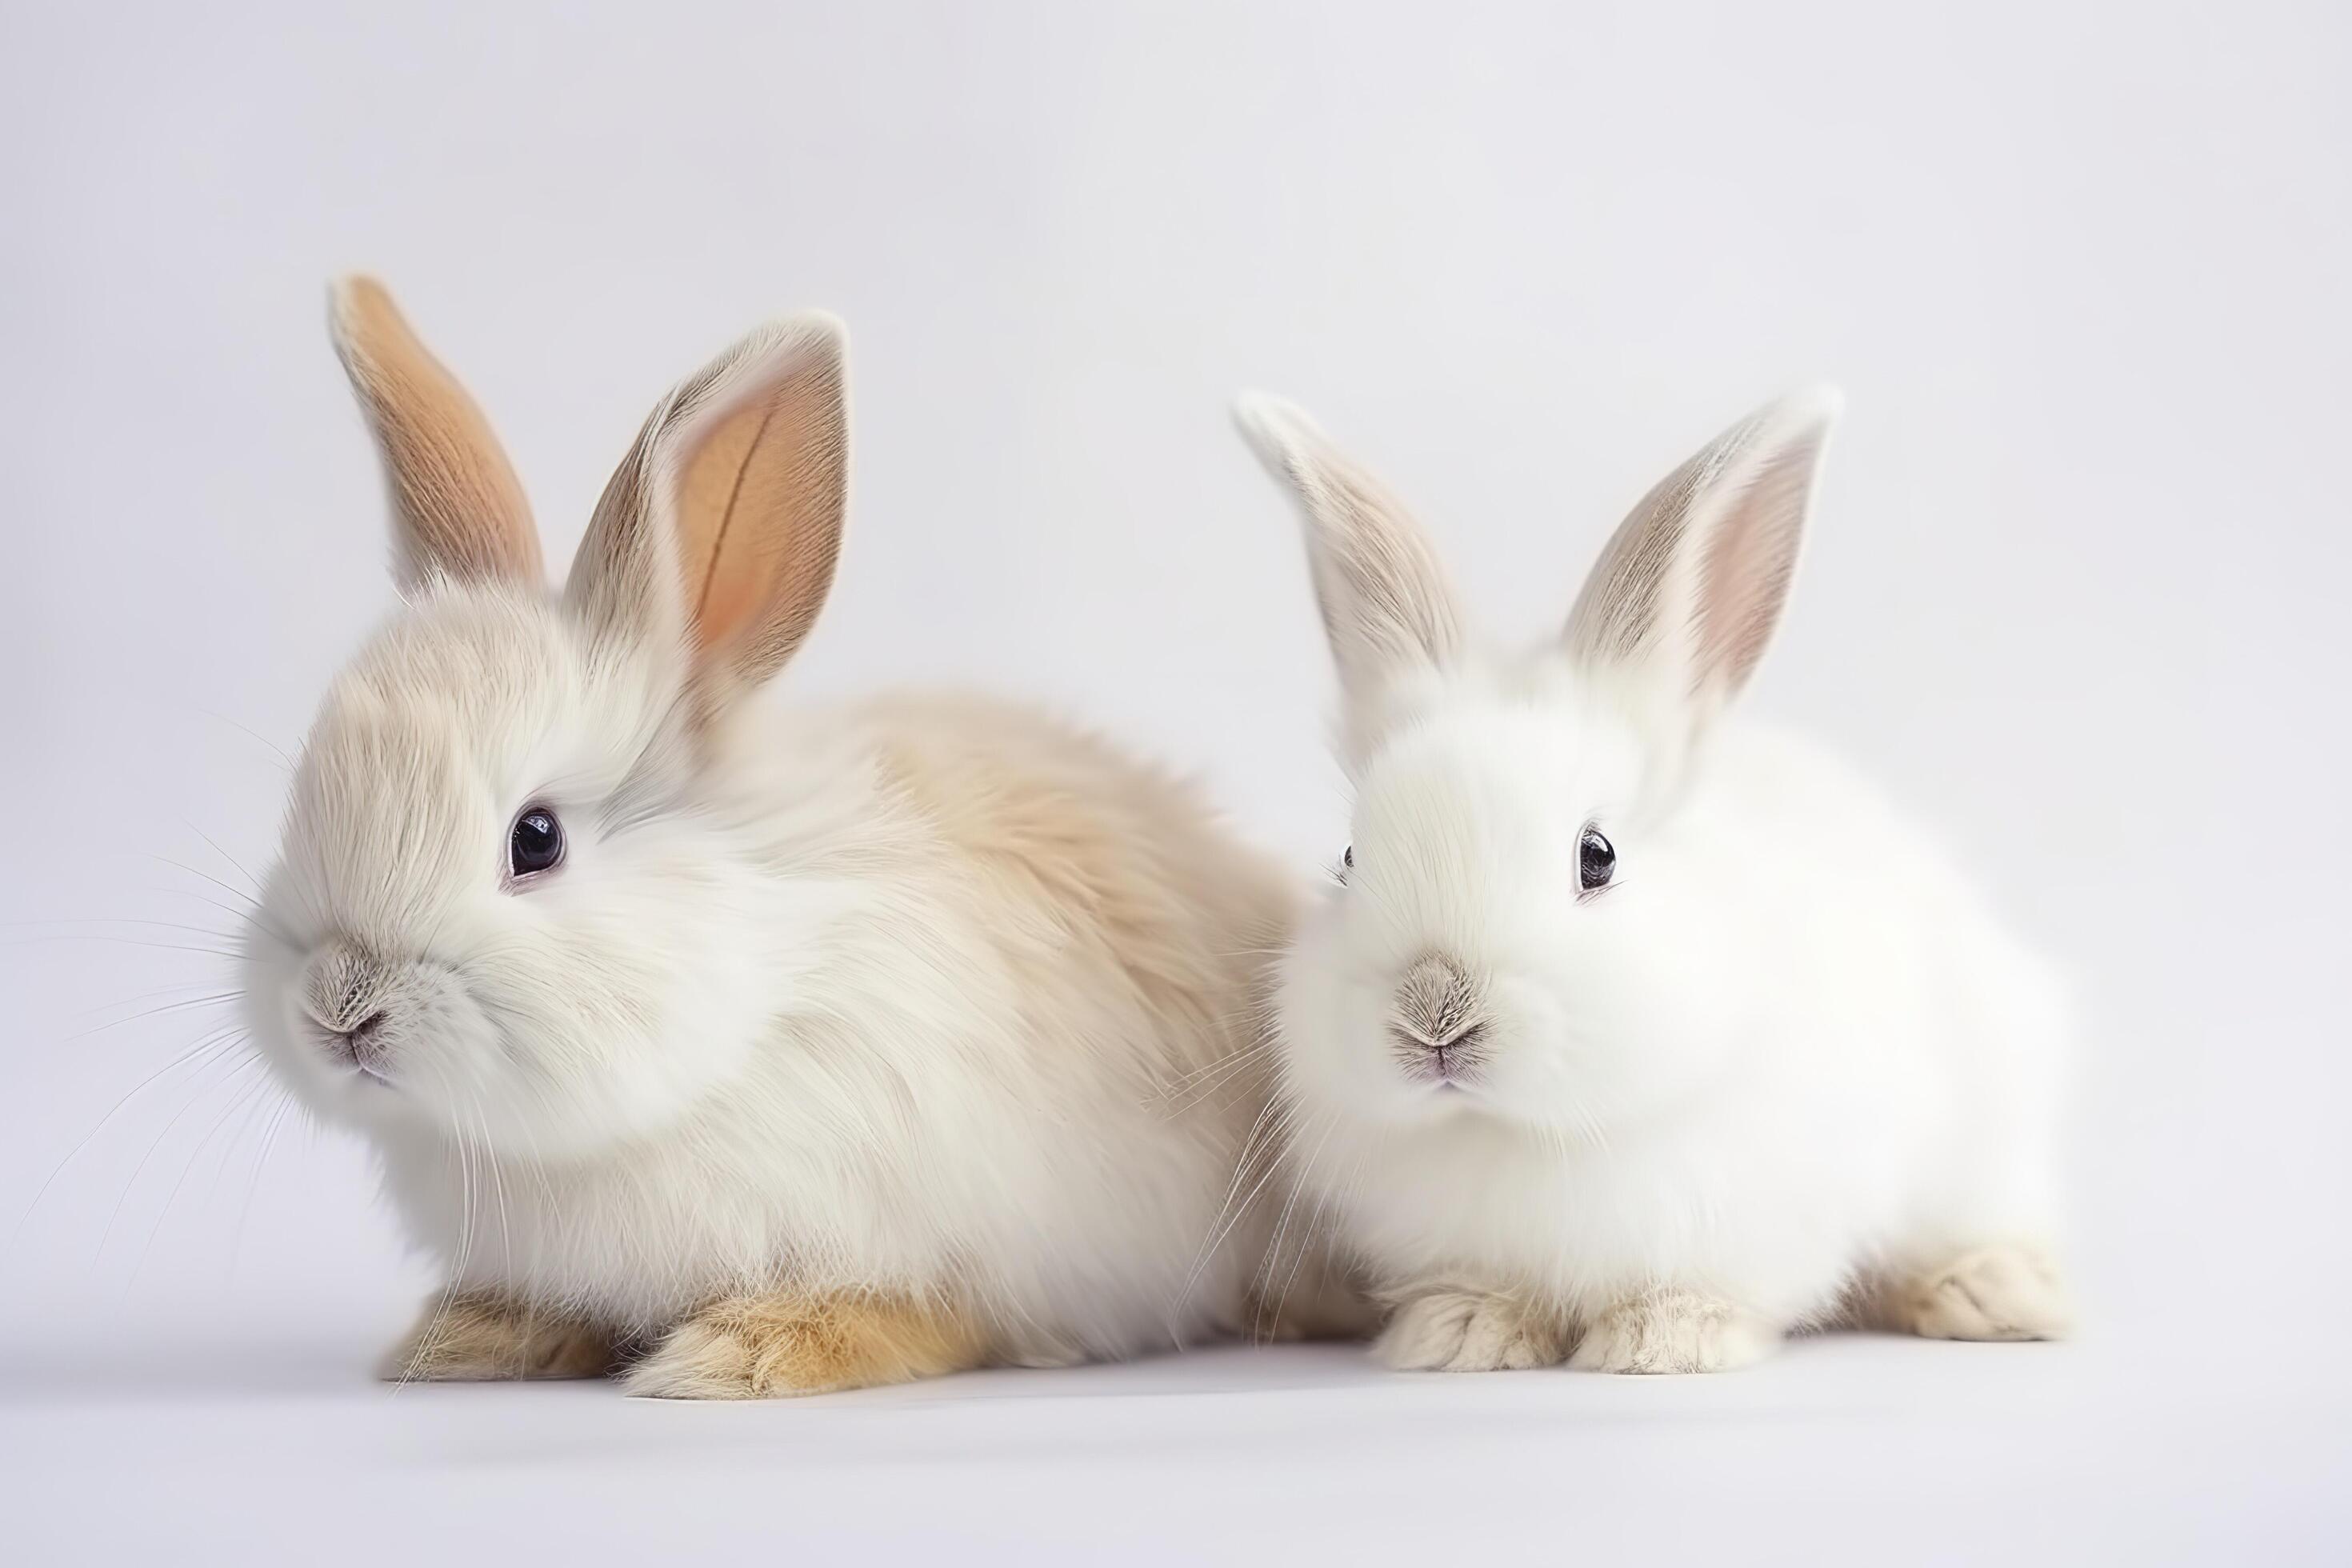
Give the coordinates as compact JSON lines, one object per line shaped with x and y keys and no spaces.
{"x":758,"y":516}
{"x":1750,"y":558}
{"x":725,"y":579}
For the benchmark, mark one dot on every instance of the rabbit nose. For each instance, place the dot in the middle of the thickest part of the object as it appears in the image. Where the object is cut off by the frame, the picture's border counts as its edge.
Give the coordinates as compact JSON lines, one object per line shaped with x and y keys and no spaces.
{"x":343,"y":995}
{"x":362,"y":1045}
{"x":1437,"y":1004}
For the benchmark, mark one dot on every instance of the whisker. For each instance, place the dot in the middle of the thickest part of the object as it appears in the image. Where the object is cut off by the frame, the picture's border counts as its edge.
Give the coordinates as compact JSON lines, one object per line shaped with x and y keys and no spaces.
{"x":115,"y":1215}
{"x":253,"y":1180}
{"x":241,"y":1101}
{"x":224,"y":854}
{"x":308,"y":903}
{"x":209,"y":1047}
{"x":220,"y":952}
{"x":216,"y":999}
{"x":174,"y":991}
{"x":1231,"y":1213}
{"x":257,"y":734}
{"x":1282,"y":1228}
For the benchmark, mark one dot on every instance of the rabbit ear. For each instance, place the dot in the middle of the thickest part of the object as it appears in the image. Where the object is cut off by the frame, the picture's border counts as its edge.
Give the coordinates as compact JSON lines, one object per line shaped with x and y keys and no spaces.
{"x":457,"y":506}
{"x":1687,"y":592}
{"x":1388,"y":603}
{"x":718,"y":532}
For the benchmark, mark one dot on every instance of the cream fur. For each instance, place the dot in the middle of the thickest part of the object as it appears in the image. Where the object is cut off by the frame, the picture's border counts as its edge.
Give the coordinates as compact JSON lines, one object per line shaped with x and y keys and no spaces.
{"x":927,"y":1000}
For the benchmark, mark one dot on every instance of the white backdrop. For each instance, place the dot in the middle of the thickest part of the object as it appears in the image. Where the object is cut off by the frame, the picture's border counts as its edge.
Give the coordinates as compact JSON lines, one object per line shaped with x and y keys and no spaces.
{"x":2074,"y":589}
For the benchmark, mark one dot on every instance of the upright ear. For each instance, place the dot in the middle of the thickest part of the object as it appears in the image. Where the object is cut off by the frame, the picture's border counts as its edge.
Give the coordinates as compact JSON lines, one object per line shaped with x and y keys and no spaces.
{"x":1687,"y":592}
{"x":457,"y":506}
{"x":718,"y":532}
{"x":1388,"y":605}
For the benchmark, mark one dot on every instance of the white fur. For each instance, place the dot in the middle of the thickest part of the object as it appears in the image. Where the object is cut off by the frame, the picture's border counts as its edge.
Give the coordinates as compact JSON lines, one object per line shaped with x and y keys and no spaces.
{"x":1787,"y":1053}
{"x":927,"y":998}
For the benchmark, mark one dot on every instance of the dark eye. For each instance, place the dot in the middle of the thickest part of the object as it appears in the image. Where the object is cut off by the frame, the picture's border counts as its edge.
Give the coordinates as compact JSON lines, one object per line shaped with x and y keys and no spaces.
{"x":1346,"y":861}
{"x":536,"y":844}
{"x":1596,"y":861}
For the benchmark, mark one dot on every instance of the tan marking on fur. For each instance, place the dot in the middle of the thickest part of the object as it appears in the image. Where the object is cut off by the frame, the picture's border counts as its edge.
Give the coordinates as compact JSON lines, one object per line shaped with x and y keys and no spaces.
{"x":457,"y":504}
{"x":758,"y":1347}
{"x":1132,"y":878}
{"x":1133,"y":872}
{"x":479,"y":1337}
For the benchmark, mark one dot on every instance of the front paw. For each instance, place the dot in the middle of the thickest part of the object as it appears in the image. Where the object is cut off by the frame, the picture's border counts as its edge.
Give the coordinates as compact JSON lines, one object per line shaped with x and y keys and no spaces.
{"x":481,"y":1336}
{"x":1674,"y":1331}
{"x":764,"y":1347}
{"x":1462,"y":1330}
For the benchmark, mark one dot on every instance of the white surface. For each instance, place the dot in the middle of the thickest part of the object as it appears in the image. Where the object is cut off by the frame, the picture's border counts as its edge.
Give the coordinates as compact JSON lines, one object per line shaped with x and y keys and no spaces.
{"x":1925,"y":1454}
{"x":2076,"y":590}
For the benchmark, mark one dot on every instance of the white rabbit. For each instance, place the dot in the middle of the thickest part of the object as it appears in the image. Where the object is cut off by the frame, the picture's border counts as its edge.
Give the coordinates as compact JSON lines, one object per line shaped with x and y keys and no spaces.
{"x":1633,"y":1031}
{"x":751,"y":1053}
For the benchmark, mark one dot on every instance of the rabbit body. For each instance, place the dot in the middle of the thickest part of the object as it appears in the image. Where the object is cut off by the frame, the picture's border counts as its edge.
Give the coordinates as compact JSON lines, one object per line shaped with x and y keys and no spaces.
{"x":1638,"y":1033}
{"x":1851,"y":1072}
{"x":978,"y":963}
{"x":749,"y":1051}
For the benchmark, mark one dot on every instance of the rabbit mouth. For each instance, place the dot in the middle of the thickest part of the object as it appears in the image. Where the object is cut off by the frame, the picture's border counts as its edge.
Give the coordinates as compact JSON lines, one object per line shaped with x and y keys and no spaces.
{"x":1438,"y":1031}
{"x":359,"y":1062}
{"x":1449,"y":1066}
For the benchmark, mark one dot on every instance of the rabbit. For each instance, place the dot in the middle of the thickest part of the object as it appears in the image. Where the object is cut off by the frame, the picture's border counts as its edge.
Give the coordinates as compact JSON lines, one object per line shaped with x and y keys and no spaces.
{"x":737,"y":1051}
{"x":1634,"y":1034}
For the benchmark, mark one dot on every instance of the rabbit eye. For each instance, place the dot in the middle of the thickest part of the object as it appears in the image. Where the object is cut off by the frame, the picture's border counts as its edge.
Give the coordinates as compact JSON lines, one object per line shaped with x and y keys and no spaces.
{"x":536,"y":843}
{"x":1596,"y":861}
{"x":1346,"y":861}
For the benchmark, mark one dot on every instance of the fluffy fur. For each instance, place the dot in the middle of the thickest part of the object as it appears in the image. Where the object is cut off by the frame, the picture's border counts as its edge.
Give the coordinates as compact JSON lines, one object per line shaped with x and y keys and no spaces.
{"x":1784,"y":1067}
{"x":842,"y":1046}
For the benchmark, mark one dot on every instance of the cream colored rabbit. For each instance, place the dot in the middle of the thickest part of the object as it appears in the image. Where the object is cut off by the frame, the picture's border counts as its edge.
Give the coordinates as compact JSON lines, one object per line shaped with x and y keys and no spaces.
{"x":751,"y":1051}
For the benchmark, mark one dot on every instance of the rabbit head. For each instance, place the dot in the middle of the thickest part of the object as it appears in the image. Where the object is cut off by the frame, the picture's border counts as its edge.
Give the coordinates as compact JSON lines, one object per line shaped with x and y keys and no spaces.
{"x":1526,"y":925}
{"x":511,"y":903}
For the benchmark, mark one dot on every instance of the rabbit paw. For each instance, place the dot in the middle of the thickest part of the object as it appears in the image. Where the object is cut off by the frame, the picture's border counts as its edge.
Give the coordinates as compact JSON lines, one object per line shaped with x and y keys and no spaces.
{"x":761,"y":1347}
{"x":1992,"y":1293}
{"x":479,"y":1337}
{"x":1460,"y":1330}
{"x":1672,"y":1330}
